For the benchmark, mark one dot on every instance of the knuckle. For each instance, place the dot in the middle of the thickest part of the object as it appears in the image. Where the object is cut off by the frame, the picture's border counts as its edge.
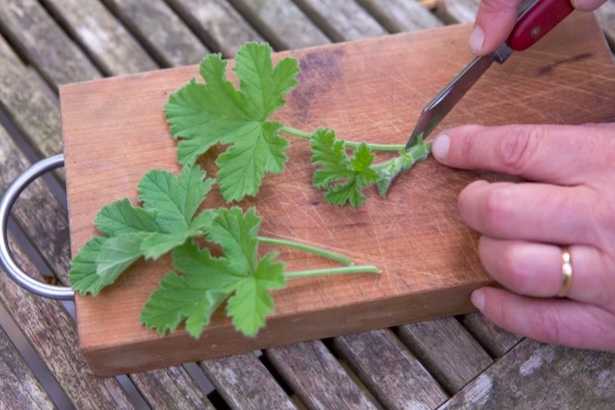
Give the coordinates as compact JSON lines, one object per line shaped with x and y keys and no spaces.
{"x":513,"y":276}
{"x":496,"y":209}
{"x":516,"y":150}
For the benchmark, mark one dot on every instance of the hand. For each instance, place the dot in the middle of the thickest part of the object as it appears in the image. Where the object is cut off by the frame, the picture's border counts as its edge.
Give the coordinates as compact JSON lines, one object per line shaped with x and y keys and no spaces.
{"x":496,"y":18}
{"x":570,"y":203}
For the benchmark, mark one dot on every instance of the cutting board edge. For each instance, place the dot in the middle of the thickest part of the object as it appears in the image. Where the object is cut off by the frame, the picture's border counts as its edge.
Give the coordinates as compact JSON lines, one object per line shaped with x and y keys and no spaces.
{"x":110,"y":360}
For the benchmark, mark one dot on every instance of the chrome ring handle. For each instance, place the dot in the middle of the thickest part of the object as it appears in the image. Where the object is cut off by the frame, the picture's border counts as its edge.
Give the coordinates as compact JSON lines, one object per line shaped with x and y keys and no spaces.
{"x":6,"y":203}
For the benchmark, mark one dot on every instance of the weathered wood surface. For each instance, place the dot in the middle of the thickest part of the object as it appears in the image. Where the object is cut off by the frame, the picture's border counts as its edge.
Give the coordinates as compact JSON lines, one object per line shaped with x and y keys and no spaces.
{"x":397,"y":379}
{"x":401,"y":15}
{"x":245,"y":383}
{"x":537,"y":376}
{"x":161,"y":30}
{"x":494,"y":340}
{"x":342,"y":20}
{"x":457,"y":11}
{"x":445,"y":348}
{"x":18,"y":385}
{"x":109,"y":44}
{"x":43,"y":54}
{"x":448,"y":247}
{"x":216,"y":23}
{"x":302,"y":366}
{"x":38,"y":37}
{"x":282,"y":23}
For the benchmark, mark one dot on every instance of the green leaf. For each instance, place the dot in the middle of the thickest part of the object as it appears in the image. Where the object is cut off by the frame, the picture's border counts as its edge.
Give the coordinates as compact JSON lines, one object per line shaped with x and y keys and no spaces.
{"x":122,"y":217}
{"x":174,"y":199}
{"x":342,"y":176}
{"x":203,"y":115}
{"x":179,"y":298}
{"x":82,"y":273}
{"x":205,"y":278}
{"x":237,"y":233}
{"x":251,"y":302}
{"x":166,"y":220}
{"x":117,"y":254}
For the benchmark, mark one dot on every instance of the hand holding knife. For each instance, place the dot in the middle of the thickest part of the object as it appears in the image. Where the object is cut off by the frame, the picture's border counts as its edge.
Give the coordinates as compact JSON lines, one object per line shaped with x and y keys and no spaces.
{"x":534,"y":22}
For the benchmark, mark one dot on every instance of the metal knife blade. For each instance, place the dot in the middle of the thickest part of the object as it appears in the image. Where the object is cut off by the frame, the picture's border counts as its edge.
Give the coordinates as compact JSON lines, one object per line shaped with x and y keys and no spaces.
{"x":436,"y":109}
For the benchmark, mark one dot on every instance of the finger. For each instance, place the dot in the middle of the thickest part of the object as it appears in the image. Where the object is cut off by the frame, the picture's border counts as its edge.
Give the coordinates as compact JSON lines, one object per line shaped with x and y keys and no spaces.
{"x":530,"y":211}
{"x":534,"y":269}
{"x":559,"y":321}
{"x":561,"y":154}
{"x":587,"y":5}
{"x":494,"y":22}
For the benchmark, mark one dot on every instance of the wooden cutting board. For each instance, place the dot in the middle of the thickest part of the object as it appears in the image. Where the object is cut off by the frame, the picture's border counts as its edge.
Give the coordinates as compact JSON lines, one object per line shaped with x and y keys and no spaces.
{"x":115,"y":131}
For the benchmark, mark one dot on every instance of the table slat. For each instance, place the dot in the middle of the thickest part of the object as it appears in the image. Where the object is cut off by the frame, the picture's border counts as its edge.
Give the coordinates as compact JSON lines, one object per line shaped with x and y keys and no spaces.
{"x":401,"y":15}
{"x":496,"y":341}
{"x":18,"y":385}
{"x":447,"y":350}
{"x":317,"y":377}
{"x":457,"y":11}
{"x":245,"y":383}
{"x":170,"y":388}
{"x":343,"y":20}
{"x":175,"y":45}
{"x":110,"y":45}
{"x":217,"y":23}
{"x":538,"y":376}
{"x":38,"y":37}
{"x":281,"y":23}
{"x":391,"y":373}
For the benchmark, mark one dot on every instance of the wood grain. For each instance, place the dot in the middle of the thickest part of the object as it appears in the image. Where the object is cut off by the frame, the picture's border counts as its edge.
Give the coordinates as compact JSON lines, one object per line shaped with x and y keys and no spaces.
{"x":42,"y":40}
{"x":538,"y":376}
{"x":216,"y":23}
{"x":342,"y":20}
{"x":496,"y":341}
{"x":360,"y":88}
{"x":401,"y":15}
{"x":281,"y":23}
{"x":303,"y":364}
{"x":109,"y":44}
{"x":396,"y":377}
{"x":174,"y":46}
{"x":245,"y":383}
{"x":18,"y":385}
{"x":447,"y":350}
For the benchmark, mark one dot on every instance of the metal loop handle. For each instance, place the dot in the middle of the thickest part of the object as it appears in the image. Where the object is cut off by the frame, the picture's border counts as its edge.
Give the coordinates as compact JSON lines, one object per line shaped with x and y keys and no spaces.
{"x":9,"y":198}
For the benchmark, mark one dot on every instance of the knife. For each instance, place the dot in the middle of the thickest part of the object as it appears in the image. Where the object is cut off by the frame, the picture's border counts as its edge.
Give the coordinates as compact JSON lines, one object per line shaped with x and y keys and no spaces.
{"x":534,"y":22}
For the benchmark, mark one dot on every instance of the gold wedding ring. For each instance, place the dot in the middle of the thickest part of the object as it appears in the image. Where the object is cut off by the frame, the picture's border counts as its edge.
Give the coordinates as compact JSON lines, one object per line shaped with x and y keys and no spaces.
{"x":566,"y":273}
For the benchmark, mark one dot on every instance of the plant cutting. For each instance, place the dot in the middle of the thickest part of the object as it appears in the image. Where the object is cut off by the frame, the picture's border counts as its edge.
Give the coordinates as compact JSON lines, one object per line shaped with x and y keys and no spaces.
{"x":170,"y":218}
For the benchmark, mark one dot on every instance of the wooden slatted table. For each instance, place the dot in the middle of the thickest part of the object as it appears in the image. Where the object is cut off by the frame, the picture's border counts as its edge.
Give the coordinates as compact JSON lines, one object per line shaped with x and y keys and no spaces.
{"x":455,"y":362}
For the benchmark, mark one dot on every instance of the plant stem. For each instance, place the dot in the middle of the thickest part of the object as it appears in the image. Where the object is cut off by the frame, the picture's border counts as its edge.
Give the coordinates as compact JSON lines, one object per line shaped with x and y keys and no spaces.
{"x":307,"y":248}
{"x":349,"y":144}
{"x":332,"y":271}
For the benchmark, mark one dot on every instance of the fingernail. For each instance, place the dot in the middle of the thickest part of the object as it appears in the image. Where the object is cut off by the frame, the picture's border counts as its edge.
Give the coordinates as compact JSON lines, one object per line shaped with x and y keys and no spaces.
{"x":440,"y":146}
{"x":478,"y":299}
{"x":476,"y":40}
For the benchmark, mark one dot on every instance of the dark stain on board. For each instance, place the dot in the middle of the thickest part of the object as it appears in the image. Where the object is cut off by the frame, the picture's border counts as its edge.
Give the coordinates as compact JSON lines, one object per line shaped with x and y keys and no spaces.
{"x":549,"y":68}
{"x":319,"y":71}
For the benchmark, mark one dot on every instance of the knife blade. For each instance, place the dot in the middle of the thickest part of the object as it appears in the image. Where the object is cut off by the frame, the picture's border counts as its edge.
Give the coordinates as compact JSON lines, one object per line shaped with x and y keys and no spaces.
{"x":533,"y":23}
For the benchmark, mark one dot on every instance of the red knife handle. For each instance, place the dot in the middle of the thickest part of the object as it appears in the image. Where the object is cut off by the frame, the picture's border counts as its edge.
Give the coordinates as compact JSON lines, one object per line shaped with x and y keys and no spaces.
{"x":537,"y":22}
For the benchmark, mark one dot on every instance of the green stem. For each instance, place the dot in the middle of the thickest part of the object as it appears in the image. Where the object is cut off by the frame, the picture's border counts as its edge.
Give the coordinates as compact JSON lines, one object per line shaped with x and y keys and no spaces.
{"x":307,"y":248}
{"x":332,"y":271}
{"x":349,"y":144}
